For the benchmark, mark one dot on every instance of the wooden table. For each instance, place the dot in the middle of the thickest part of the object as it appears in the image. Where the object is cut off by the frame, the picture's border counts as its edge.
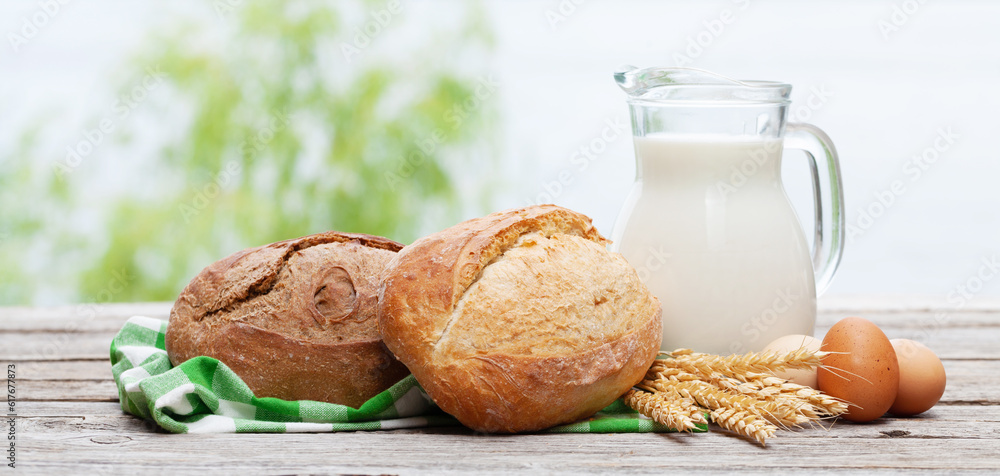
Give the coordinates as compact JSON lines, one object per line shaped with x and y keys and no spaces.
{"x":69,"y":421}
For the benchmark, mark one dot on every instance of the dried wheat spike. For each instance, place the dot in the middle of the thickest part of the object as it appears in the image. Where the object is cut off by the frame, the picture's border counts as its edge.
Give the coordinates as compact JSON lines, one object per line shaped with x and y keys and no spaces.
{"x":771,"y":394}
{"x":741,"y":391}
{"x":670,"y":374}
{"x":778,"y":412}
{"x":725,"y":391}
{"x":663,"y":409}
{"x":772,"y":387}
{"x":686,"y":405}
{"x":739,"y":366}
{"x":825,"y":403}
{"x":743,"y":423}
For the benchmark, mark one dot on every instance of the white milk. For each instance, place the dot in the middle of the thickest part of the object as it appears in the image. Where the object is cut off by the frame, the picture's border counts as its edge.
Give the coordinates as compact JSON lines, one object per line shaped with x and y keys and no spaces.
{"x":714,"y":237}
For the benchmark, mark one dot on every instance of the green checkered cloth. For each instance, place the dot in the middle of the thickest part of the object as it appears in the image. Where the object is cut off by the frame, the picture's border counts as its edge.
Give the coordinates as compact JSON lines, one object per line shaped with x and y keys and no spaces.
{"x":203,"y":395}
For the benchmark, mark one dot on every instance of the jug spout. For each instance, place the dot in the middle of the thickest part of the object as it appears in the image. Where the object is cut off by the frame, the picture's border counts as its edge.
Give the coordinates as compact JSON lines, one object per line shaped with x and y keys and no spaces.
{"x":627,"y":79}
{"x":692,"y":84}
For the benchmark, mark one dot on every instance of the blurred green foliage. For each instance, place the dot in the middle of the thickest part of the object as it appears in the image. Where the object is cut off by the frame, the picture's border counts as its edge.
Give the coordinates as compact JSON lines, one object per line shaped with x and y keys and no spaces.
{"x":277,"y":128}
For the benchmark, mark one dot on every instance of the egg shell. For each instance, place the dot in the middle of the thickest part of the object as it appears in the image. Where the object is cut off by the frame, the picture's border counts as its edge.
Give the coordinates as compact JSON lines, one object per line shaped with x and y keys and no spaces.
{"x":921,"y":378}
{"x":862,"y":370}
{"x":791,"y":343}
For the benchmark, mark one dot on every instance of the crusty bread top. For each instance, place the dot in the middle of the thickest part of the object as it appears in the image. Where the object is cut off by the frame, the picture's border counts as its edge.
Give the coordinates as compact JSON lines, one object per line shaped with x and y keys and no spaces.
{"x":428,"y":283}
{"x":560,"y":295}
{"x":261,"y":286}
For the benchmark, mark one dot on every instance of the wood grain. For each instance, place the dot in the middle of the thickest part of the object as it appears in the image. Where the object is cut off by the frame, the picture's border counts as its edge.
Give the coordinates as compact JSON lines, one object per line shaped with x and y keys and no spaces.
{"x":968,"y":336}
{"x":969,"y":381}
{"x":69,"y":419}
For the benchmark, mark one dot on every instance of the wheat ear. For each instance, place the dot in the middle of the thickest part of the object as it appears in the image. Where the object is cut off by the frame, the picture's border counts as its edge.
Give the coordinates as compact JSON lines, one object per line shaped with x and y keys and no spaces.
{"x":737,"y":365}
{"x":771,"y":387}
{"x":663,"y":409}
{"x":743,"y":423}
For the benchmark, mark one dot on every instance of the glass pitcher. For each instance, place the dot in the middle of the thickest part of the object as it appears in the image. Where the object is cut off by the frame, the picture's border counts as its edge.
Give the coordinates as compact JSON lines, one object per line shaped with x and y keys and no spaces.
{"x":708,"y":225}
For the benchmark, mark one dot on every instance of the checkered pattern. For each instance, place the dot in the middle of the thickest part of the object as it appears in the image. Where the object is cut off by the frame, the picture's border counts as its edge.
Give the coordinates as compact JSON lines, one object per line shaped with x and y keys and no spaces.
{"x":203,"y":395}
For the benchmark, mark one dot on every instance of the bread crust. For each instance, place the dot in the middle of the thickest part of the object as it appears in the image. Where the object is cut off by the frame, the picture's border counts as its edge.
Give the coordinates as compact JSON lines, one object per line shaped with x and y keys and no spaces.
{"x":494,"y":391}
{"x":294,"y":319}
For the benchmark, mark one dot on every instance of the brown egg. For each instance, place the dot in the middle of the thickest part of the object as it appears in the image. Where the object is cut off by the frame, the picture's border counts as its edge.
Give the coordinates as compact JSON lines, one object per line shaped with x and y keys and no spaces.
{"x":921,"y":378}
{"x":862,"y":370}
{"x":791,"y":343}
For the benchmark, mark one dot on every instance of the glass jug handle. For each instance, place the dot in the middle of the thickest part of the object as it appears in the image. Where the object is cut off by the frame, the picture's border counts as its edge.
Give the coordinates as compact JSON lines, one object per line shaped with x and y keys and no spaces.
{"x":828,"y":241}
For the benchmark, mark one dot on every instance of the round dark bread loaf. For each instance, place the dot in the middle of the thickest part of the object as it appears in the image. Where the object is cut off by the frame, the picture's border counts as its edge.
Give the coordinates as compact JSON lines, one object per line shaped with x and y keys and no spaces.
{"x":294,"y":319}
{"x":520,"y":320}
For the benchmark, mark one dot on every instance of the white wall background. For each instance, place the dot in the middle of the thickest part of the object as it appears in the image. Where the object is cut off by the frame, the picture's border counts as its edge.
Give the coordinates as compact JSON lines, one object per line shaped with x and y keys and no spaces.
{"x":890,"y":93}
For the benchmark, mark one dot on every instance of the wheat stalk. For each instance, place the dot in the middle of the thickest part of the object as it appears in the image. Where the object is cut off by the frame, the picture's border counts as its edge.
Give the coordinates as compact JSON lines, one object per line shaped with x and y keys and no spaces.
{"x":771,"y":387}
{"x":743,"y":423}
{"x":736,"y":365}
{"x":672,"y":412}
{"x":777,"y":412}
{"x":740,"y":392}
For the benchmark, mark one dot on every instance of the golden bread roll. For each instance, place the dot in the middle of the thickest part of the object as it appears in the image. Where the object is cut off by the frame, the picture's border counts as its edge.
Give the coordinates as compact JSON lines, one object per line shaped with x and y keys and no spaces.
{"x":520,"y":320}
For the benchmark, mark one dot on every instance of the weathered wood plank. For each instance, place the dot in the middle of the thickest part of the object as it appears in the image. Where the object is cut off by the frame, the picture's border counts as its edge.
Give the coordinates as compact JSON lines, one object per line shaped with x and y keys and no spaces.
{"x":952,"y":343}
{"x":109,"y":317}
{"x":289,"y":467}
{"x":968,"y":380}
{"x":85,"y":409}
{"x":45,"y":408}
{"x":946,"y":439}
{"x":67,"y":334}
{"x":81,"y":317}
{"x":972,"y":381}
{"x":972,"y":342}
{"x":912,"y":321}
{"x":67,"y":390}
{"x":64,"y":370}
{"x":904,"y":303}
{"x":56,"y":346}
{"x":45,"y":420}
{"x":456,"y":450}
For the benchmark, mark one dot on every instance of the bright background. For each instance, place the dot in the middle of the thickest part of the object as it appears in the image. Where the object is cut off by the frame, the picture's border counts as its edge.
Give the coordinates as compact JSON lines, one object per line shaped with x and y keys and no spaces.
{"x":895,"y":73}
